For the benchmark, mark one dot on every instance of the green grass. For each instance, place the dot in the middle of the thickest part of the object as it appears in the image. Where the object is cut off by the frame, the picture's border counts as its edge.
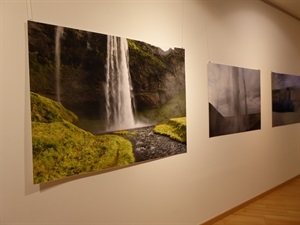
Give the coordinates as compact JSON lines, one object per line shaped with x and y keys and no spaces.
{"x":175,"y":129}
{"x":61,"y":149}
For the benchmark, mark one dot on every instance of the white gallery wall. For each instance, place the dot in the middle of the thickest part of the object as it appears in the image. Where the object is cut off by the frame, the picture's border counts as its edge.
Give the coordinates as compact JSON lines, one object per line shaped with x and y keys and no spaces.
{"x":215,"y":174}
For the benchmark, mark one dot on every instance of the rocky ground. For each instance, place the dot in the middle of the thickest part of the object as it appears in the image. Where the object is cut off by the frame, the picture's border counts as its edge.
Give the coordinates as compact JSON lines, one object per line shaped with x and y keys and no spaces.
{"x":148,"y":145}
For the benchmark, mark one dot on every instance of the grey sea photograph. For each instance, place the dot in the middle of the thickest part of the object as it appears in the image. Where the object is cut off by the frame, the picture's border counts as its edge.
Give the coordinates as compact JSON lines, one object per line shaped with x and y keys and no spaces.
{"x":285,"y":99}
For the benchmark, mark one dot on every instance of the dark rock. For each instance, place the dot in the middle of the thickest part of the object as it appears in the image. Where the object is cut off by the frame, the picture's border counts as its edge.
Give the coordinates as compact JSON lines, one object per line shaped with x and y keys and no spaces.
{"x":147,"y":145}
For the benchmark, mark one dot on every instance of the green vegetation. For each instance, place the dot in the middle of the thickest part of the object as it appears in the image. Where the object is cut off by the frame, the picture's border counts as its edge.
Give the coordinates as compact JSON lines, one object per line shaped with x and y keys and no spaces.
{"x":46,"y":110}
{"x":145,"y":55}
{"x":126,"y":132}
{"x":40,"y":72}
{"x":174,"y":108}
{"x":62,"y":149}
{"x":175,"y":129}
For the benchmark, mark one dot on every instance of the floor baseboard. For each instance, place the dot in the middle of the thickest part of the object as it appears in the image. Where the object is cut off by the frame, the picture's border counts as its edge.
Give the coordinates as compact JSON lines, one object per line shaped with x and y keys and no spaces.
{"x":244,"y":204}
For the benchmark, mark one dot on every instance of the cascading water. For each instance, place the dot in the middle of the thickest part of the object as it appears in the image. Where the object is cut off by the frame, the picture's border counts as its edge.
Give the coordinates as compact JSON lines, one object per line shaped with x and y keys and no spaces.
{"x":58,"y":35}
{"x":119,"y":97}
{"x":238,"y":99}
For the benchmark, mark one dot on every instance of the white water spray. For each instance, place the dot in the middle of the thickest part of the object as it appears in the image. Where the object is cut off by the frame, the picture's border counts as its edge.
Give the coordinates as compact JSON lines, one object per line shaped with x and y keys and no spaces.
{"x":119,"y":97}
{"x":58,"y":35}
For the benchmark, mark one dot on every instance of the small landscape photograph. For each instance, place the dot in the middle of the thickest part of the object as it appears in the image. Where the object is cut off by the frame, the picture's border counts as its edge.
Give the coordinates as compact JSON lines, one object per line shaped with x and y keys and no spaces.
{"x":234,"y":99}
{"x":285,"y":99}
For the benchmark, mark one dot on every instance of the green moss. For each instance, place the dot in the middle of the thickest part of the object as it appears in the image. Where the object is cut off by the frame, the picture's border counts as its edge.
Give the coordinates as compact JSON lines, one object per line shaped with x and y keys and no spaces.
{"x":145,"y":55}
{"x":62,"y":149}
{"x":175,"y":129}
{"x":46,"y":110}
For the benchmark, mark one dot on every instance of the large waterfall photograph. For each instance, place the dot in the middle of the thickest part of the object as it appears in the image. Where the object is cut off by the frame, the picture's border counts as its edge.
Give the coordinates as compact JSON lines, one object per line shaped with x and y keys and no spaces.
{"x":285,"y":99}
{"x":234,"y":99}
{"x":101,"y":102}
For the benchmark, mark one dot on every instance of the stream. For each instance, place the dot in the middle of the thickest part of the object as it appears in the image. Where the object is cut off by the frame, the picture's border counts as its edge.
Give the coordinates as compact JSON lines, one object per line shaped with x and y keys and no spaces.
{"x":147,"y":145}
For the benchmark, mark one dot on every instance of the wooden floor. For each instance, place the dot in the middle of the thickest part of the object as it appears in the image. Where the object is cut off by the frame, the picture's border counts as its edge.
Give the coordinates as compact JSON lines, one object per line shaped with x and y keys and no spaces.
{"x":280,"y":207}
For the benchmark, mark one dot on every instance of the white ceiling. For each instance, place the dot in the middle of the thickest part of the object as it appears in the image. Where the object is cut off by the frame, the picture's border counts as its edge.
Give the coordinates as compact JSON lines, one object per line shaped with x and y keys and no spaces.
{"x":291,"y":7}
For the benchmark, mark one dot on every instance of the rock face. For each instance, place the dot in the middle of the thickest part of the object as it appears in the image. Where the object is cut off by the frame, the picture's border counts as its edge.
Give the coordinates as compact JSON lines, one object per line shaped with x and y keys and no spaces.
{"x":83,"y":56}
{"x":157,"y":76}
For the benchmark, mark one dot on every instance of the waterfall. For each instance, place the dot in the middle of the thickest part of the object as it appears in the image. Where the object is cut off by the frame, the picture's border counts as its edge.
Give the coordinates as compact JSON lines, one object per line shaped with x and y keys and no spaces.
{"x":119,"y":97}
{"x":58,"y":35}
{"x":238,"y":99}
